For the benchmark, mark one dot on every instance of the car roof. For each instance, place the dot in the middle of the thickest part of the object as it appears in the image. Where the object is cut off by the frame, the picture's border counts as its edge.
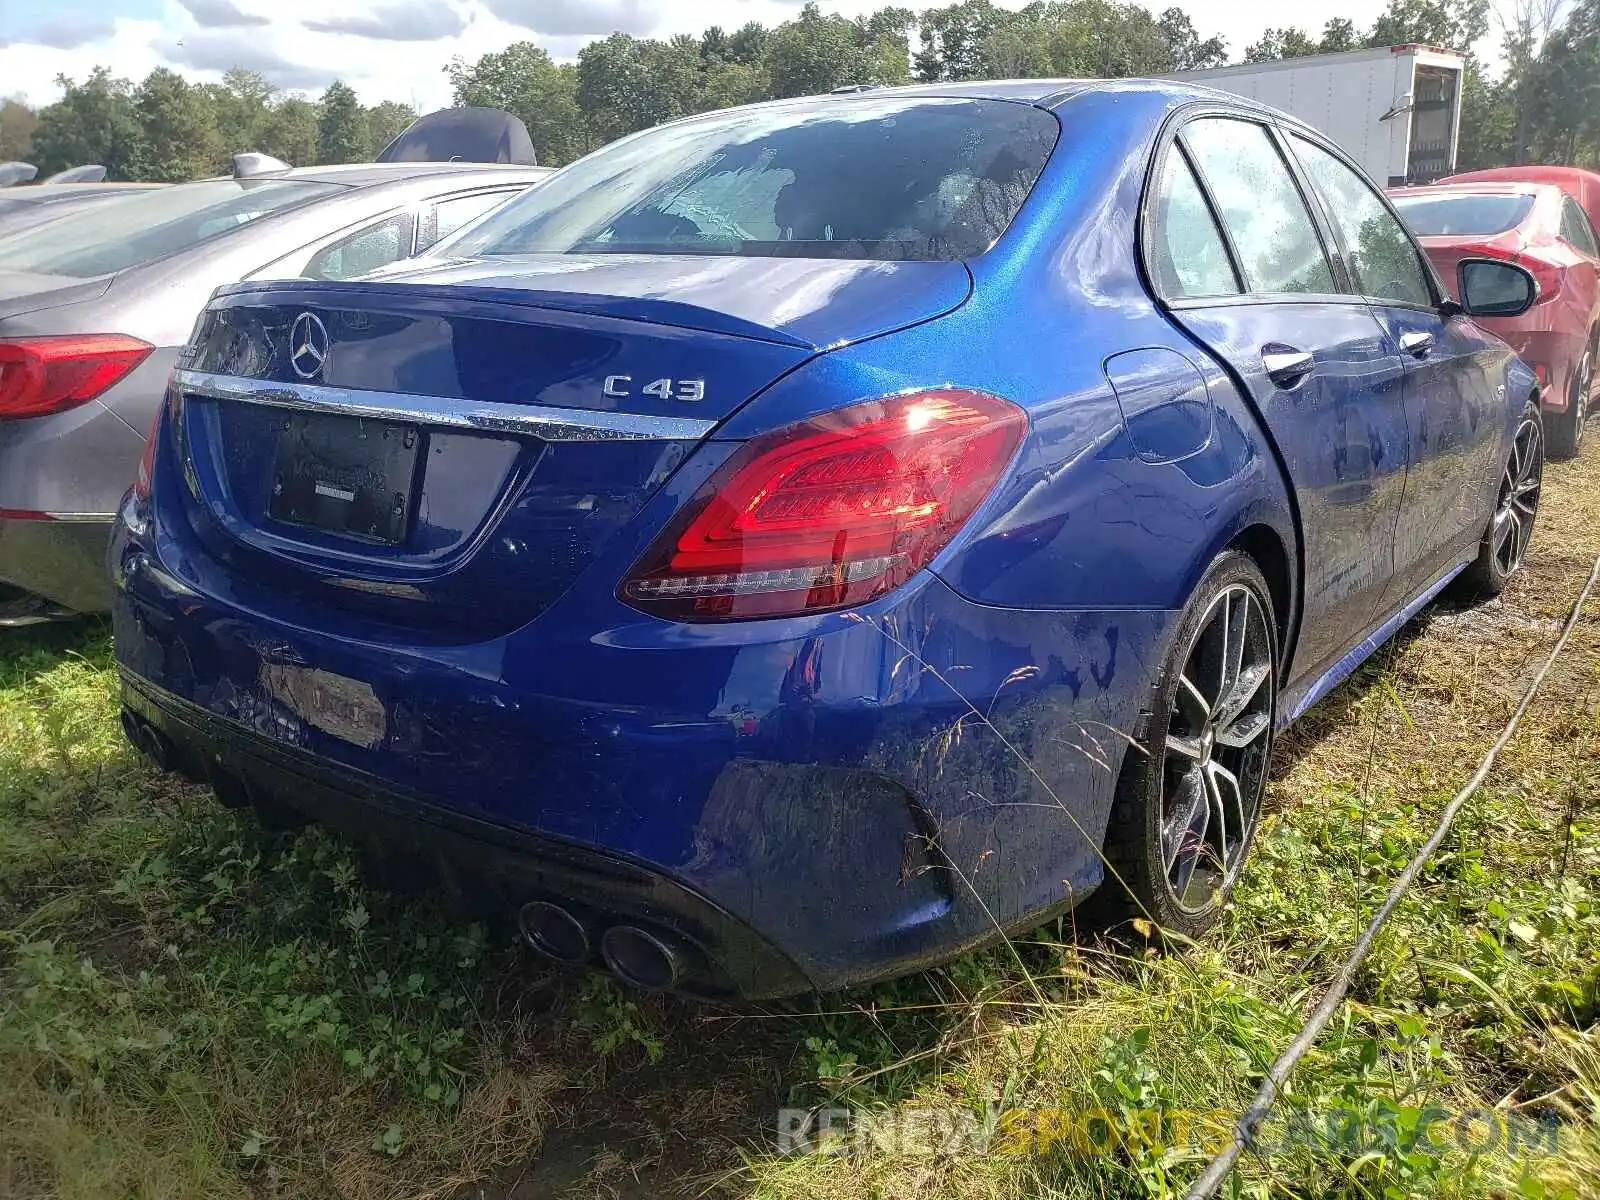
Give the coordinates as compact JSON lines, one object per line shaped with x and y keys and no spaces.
{"x":1528,"y":173}
{"x":367,"y":174}
{"x":1046,"y":93}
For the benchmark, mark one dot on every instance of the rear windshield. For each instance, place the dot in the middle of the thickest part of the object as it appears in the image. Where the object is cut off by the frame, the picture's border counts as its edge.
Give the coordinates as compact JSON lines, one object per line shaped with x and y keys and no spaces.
{"x":125,"y":231}
{"x":871,"y":178}
{"x":1465,"y":214}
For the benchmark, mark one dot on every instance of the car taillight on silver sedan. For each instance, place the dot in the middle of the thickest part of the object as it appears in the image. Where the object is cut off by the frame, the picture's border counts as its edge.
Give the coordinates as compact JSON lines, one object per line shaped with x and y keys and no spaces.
{"x":40,"y":376}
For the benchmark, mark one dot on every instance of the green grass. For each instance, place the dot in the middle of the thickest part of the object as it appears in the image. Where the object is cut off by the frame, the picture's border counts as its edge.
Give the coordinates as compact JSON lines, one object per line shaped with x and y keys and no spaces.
{"x":193,"y":1006}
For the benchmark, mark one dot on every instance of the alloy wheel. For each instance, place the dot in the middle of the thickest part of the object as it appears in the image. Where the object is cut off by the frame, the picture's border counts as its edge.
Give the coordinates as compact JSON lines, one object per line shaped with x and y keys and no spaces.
{"x":1219,"y":738}
{"x":1518,"y":504}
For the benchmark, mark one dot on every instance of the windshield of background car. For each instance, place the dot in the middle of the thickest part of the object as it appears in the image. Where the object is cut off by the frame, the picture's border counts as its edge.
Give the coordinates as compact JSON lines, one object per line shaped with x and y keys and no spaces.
{"x":123,"y":232}
{"x":889,"y":178}
{"x":1464,"y":214}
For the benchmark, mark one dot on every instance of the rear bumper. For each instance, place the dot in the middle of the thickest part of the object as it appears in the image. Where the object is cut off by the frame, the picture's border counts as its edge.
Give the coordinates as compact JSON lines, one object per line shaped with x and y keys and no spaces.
{"x":814,"y":802}
{"x":61,"y":559}
{"x":510,"y":866}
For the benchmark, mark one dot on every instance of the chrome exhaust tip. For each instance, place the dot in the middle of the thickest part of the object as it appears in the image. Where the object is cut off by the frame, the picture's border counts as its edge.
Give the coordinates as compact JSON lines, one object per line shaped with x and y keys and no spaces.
{"x":131,"y":730}
{"x":553,"y":932}
{"x":147,"y":739}
{"x":640,"y":958}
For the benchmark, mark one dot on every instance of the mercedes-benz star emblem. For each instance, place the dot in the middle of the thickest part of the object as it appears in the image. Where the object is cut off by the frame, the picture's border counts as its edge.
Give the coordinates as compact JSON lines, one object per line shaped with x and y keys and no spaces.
{"x":308,"y":345}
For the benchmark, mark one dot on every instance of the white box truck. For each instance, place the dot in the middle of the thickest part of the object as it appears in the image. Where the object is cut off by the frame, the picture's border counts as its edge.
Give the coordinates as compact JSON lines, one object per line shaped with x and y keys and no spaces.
{"x":1396,"y":110}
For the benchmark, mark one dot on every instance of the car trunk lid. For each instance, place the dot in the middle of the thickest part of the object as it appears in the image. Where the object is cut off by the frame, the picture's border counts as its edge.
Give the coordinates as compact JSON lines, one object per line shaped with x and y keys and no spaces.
{"x":23,"y":292}
{"x":451,"y":454}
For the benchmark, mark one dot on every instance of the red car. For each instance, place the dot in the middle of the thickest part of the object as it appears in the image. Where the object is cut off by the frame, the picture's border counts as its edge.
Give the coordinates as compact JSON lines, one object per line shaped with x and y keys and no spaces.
{"x":1541,"y":227}
{"x":1583,"y":186}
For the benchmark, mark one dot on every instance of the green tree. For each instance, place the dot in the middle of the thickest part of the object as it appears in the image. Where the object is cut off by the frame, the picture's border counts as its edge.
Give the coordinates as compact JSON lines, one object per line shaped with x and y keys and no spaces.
{"x":178,"y":129}
{"x":883,"y":39}
{"x":242,"y":104}
{"x":1457,"y":24}
{"x":387,"y":121}
{"x":748,"y":44}
{"x":93,"y":122}
{"x":290,"y":132}
{"x":625,"y":84}
{"x":1338,"y":36}
{"x":814,"y":54}
{"x":1488,"y":120}
{"x":1563,"y":123}
{"x":1281,"y":43}
{"x":17,"y":123}
{"x":953,"y":40}
{"x":1185,"y":49}
{"x":727,"y":84}
{"x":342,"y":132}
{"x":523,"y":80}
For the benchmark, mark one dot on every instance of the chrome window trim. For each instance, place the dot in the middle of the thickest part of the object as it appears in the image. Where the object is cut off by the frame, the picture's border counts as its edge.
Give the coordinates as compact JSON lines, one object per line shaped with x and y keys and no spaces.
{"x":484,"y":416}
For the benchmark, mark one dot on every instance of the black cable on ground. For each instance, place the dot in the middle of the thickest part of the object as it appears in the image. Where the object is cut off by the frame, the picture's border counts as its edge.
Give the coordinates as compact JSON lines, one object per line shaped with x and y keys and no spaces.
{"x":1244,"y":1129}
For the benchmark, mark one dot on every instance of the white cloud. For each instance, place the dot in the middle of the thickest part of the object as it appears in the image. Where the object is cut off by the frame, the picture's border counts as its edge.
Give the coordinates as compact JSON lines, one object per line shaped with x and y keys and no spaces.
{"x":303,"y":43}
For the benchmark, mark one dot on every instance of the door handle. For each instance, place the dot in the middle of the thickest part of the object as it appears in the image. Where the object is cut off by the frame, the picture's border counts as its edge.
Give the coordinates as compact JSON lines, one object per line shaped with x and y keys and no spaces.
{"x":1418,"y":343}
{"x":1285,"y":365}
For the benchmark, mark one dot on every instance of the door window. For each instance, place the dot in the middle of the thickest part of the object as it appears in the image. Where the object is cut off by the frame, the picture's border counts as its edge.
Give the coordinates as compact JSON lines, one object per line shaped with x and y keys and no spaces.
{"x":1575,"y":228}
{"x":443,"y":217}
{"x":1272,"y":230}
{"x":365,"y":250}
{"x":1187,"y":254}
{"x":1386,"y":261}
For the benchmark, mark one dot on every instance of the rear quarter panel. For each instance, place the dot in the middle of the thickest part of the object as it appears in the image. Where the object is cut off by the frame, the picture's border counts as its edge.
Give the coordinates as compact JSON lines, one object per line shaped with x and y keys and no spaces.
{"x":1083,"y":520}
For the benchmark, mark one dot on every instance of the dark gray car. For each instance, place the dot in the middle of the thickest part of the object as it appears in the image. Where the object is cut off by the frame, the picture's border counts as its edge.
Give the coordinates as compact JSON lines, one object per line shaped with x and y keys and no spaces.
{"x":94,"y":308}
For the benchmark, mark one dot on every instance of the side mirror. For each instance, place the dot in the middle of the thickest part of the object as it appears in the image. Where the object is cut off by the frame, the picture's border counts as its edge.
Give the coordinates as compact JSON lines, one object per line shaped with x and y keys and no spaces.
{"x":1490,"y":287}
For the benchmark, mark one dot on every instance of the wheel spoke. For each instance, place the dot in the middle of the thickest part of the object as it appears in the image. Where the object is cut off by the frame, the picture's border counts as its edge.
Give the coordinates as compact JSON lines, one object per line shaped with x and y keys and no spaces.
{"x":1219,"y":807}
{"x":1238,"y":618}
{"x":1504,"y":533}
{"x":1245,"y":732}
{"x":1193,"y":700}
{"x":1228,"y":788}
{"x":1226,"y":656}
{"x":1178,"y":831}
{"x":1186,"y":747}
{"x":1246,"y":688}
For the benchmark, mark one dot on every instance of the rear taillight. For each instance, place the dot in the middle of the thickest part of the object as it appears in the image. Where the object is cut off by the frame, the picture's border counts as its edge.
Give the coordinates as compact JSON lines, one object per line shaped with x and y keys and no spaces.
{"x":44,"y":375}
{"x":830,"y":512}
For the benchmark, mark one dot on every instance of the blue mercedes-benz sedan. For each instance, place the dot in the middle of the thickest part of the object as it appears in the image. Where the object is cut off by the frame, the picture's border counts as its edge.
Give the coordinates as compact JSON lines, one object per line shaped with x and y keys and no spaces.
{"x":802,"y":542}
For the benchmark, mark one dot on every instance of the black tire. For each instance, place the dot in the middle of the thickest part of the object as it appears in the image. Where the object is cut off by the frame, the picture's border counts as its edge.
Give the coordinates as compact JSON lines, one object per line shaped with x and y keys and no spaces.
{"x":1516,"y":509}
{"x":1565,"y":432}
{"x":1148,"y":840}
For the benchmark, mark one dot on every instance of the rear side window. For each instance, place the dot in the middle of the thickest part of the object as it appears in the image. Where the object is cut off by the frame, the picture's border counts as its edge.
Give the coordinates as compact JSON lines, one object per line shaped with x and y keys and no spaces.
{"x":1187,"y":254}
{"x":1575,"y":227}
{"x":1272,"y":230}
{"x":443,"y":217}
{"x":365,"y":250}
{"x":889,"y":177}
{"x":1386,"y":261}
{"x":1464,"y":214}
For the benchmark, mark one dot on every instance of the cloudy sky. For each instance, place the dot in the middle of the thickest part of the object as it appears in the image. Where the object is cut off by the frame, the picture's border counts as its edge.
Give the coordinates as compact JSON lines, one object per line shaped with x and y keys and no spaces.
{"x":396,"y":49}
